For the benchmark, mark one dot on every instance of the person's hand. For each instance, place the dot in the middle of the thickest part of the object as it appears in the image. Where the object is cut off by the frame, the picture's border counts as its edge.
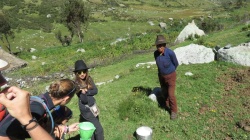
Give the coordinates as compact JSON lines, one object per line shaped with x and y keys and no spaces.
{"x":17,"y":102}
{"x":74,"y":127}
{"x":58,"y":131}
{"x":84,"y":91}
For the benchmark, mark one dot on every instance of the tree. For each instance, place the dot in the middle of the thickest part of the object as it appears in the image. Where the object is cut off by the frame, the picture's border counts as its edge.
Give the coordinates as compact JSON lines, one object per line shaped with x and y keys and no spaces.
{"x":75,"y":16}
{"x":64,"y":41}
{"x":240,"y":3}
{"x":6,"y":32}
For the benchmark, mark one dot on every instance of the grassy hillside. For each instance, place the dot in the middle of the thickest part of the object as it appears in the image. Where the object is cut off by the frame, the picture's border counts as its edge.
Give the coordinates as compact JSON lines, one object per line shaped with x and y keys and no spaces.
{"x":30,"y":16}
{"x":211,"y":103}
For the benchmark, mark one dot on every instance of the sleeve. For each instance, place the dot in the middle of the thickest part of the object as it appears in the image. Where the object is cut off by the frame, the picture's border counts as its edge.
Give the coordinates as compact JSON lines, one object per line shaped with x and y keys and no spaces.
{"x":93,"y":90}
{"x":156,"y":54}
{"x":173,"y":58}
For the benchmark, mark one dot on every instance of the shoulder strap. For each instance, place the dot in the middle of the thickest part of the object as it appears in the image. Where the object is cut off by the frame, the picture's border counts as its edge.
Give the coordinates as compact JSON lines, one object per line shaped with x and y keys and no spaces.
{"x":40,"y":100}
{"x":8,"y":117}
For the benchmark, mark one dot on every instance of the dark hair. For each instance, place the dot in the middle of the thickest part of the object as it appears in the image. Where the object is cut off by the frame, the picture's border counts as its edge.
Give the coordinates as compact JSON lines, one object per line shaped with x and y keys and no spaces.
{"x":62,"y":88}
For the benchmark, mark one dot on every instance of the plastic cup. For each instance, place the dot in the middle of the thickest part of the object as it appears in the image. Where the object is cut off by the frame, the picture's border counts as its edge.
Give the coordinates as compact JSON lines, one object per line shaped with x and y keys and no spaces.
{"x":86,"y":130}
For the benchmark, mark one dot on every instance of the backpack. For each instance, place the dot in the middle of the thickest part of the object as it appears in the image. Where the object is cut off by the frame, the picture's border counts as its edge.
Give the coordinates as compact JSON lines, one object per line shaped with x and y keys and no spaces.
{"x":2,"y":112}
{"x":4,"y":115}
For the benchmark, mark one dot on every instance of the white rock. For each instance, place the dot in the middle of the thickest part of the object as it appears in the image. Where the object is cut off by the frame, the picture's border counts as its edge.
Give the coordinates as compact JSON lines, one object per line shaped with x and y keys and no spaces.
{"x":194,"y":54}
{"x":33,"y":57}
{"x":237,"y":55}
{"x":117,"y":77}
{"x":189,"y":74}
{"x":152,"y":97}
{"x":190,"y":29}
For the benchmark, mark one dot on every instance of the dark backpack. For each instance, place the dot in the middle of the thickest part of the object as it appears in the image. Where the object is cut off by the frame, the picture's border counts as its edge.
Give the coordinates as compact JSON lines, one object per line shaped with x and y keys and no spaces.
{"x":4,"y":115}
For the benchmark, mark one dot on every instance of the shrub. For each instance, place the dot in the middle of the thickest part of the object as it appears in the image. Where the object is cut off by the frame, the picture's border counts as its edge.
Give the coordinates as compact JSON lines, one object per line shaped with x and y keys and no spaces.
{"x":201,"y":41}
{"x":245,"y":28}
{"x":136,"y":107}
{"x":248,"y":34}
{"x":210,"y":25}
{"x":209,"y":44}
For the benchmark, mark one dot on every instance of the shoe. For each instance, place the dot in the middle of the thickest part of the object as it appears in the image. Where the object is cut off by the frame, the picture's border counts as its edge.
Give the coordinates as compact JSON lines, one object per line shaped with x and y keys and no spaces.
{"x":173,"y":116}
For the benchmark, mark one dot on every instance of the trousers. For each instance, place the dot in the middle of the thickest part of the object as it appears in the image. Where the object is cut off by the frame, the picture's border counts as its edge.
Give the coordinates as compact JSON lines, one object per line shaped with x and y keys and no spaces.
{"x":168,"y":83}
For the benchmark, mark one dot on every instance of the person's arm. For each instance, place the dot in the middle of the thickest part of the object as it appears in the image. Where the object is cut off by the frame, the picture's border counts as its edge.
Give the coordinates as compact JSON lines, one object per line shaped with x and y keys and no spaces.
{"x":65,"y":129}
{"x":73,"y":127}
{"x":156,"y":54}
{"x":93,"y":90}
{"x":35,"y":131}
{"x":173,"y":58}
{"x":17,"y":102}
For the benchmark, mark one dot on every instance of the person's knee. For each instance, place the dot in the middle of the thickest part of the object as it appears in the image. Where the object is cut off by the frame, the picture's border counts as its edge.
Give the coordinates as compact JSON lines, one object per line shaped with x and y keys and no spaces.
{"x":99,"y":130}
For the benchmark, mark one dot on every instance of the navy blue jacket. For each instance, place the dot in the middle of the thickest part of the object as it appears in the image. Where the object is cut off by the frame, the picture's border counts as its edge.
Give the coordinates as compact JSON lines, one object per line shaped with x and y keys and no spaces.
{"x":166,"y":62}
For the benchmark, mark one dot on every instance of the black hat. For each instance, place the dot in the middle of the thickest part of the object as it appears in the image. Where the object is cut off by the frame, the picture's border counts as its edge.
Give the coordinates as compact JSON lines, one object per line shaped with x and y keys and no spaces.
{"x":80,"y":65}
{"x":160,"y":39}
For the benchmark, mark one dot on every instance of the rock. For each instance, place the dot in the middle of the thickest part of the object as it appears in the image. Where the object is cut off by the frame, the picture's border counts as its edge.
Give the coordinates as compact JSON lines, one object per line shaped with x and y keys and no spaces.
{"x":238,"y":55}
{"x":151,"y":23}
{"x":194,"y":54}
{"x":246,"y":128}
{"x":189,"y":74}
{"x":190,"y":29}
{"x":152,"y":97}
{"x":14,"y":62}
{"x":163,"y":25}
{"x":228,"y":46}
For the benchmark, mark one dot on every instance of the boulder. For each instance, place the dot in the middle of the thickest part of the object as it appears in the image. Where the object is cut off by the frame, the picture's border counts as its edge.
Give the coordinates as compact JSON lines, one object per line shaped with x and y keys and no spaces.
{"x":194,"y":54}
{"x":237,"y":55}
{"x":163,"y":25}
{"x":190,"y":29}
{"x":14,"y":62}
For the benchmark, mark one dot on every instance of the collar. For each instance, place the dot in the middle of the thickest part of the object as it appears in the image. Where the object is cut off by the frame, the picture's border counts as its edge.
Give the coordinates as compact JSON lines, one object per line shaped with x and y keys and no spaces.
{"x":48,"y":100}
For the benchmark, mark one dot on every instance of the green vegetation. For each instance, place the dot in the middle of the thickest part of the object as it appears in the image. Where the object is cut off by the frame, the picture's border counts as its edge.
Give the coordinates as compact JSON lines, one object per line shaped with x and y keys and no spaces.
{"x":211,"y":102}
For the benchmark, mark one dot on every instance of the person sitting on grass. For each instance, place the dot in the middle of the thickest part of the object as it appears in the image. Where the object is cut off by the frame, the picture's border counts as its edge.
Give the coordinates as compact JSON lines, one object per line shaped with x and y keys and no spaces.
{"x":17,"y":103}
{"x":60,"y":93}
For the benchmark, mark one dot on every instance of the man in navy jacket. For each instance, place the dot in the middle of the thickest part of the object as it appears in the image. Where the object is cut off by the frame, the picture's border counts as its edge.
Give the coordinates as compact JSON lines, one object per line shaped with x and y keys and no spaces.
{"x":167,"y":63}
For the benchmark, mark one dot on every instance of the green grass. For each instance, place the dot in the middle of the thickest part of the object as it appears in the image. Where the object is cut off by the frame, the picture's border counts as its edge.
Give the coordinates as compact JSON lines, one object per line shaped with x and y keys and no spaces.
{"x":123,"y":111}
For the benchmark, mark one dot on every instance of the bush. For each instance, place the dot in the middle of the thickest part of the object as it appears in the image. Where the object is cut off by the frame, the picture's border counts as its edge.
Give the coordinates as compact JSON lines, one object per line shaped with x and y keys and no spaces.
{"x":210,"y":44}
{"x":245,"y":28}
{"x":201,"y":41}
{"x":136,"y":107}
{"x":210,"y":25}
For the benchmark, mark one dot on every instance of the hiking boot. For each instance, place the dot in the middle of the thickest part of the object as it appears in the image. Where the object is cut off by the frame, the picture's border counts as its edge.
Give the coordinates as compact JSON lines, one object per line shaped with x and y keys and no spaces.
{"x":173,"y":116}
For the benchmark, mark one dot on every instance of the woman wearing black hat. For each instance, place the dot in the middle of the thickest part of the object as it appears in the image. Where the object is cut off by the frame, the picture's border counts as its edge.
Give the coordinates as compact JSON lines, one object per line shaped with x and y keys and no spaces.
{"x":87,"y":103}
